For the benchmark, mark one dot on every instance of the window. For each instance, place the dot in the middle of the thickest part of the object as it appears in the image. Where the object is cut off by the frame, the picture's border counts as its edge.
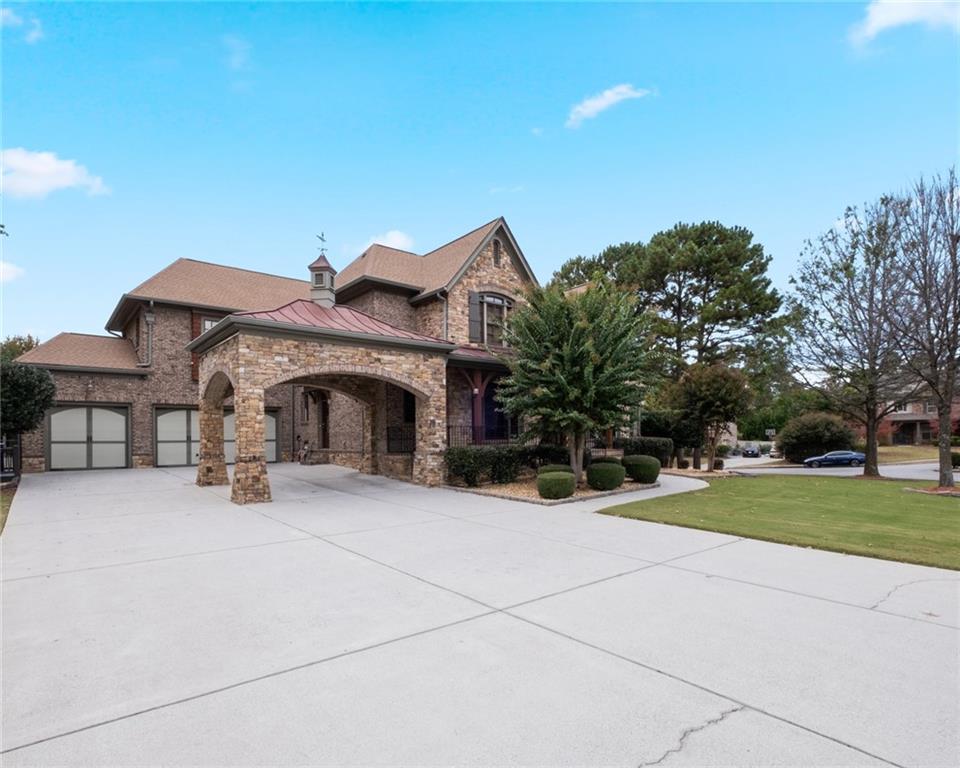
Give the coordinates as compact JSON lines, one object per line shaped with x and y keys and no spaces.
{"x":931,"y":407}
{"x":207,"y":323}
{"x":494,"y":312}
{"x":305,"y":406}
{"x":496,"y":253}
{"x":900,"y":408}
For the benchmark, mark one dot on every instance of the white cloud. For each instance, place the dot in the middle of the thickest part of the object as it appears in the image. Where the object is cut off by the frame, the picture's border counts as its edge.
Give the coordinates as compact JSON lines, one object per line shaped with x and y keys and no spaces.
{"x":10,"y":18}
{"x":10,"y":272}
{"x":37,"y":174}
{"x":393,"y":238}
{"x":888,"y":14}
{"x":594,"y":105}
{"x":238,"y":52}
{"x":537,"y":131}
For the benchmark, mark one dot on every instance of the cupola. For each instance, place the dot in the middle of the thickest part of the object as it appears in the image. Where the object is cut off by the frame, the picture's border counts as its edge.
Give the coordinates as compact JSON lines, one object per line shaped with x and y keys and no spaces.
{"x":321,"y":282}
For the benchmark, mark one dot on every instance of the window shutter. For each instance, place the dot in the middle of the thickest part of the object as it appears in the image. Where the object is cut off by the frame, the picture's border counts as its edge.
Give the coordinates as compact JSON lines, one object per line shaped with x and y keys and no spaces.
{"x":476,"y":327}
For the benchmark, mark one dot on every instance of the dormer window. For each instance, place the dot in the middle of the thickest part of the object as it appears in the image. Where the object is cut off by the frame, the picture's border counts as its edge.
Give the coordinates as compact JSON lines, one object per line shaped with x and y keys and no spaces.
{"x":320,"y":279}
{"x":496,"y":253}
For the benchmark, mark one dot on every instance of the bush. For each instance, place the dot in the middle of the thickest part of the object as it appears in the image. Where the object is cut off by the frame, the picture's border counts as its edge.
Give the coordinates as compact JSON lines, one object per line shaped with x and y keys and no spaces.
{"x":955,"y":460}
{"x":765,"y":448}
{"x":554,"y":468}
{"x":605,"y":476}
{"x":475,"y":463}
{"x":683,"y":463}
{"x":606,"y":460}
{"x":643,"y":469}
{"x":955,"y":440}
{"x":717,"y":464}
{"x":723,"y":450}
{"x":548,"y":453}
{"x":555,"y":485}
{"x":659,"y":447}
{"x":814,"y":434}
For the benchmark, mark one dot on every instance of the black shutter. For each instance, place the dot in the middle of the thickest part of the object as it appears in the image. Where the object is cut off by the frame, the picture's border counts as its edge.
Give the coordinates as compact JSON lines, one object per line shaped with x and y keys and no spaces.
{"x":476,"y":326}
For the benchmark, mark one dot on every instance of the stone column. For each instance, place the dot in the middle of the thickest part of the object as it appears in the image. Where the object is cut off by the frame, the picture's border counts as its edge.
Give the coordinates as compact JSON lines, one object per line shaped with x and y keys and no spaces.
{"x":428,"y":465}
{"x":250,"y":482}
{"x":212,"y":469}
{"x":368,"y":438}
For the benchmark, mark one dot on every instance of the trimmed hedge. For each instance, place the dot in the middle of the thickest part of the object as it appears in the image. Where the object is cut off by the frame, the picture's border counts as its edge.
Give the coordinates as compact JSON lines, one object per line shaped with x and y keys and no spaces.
{"x":955,"y":440}
{"x":660,"y":448}
{"x":606,"y":460}
{"x":474,"y":463}
{"x":554,"y":468}
{"x":605,"y":476}
{"x":642,"y":469}
{"x":717,"y":464}
{"x":814,"y":434}
{"x":547,"y":453}
{"x":555,"y":485}
{"x":683,"y":464}
{"x":955,"y":460}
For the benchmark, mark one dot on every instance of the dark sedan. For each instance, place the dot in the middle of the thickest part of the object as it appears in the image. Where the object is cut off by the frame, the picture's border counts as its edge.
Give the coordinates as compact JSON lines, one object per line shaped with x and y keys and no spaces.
{"x":836,"y":459}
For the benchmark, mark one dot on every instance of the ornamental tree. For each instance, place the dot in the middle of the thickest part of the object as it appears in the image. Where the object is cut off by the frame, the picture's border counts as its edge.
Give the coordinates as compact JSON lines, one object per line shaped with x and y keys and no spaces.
{"x":576,"y":363}
{"x":712,"y":396}
{"x":26,"y":393}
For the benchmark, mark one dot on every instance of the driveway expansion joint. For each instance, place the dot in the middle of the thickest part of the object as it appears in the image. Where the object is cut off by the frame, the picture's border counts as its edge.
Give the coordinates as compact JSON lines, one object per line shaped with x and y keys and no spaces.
{"x":687,"y":733}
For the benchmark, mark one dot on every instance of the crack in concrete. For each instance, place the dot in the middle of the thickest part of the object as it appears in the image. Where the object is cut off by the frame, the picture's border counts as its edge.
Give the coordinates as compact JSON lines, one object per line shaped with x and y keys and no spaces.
{"x":891,"y":593}
{"x":689,"y":732}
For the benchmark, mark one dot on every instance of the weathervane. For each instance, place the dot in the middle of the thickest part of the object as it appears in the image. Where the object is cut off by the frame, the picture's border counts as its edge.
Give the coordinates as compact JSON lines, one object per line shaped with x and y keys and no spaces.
{"x":323,"y":245}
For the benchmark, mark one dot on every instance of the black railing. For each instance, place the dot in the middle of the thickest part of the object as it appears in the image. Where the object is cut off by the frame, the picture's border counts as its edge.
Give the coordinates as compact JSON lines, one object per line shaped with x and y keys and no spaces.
{"x":464,"y":434}
{"x":402,"y":438}
{"x":9,"y":458}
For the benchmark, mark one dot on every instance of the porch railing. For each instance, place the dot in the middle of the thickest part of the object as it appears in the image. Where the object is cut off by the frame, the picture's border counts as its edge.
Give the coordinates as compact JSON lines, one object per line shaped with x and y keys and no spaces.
{"x":9,"y":458}
{"x":465,"y":434}
{"x":402,"y":438}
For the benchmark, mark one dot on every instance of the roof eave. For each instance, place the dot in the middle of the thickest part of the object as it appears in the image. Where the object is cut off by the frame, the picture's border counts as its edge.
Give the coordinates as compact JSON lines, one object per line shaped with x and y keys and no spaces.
{"x":500,"y":222}
{"x":232,"y":325}
{"x":347,"y":291}
{"x":87,"y":368}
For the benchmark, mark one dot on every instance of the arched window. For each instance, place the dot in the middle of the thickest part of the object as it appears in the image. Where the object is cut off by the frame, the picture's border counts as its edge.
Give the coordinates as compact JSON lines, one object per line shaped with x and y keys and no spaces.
{"x":496,"y":253}
{"x":494,"y":309}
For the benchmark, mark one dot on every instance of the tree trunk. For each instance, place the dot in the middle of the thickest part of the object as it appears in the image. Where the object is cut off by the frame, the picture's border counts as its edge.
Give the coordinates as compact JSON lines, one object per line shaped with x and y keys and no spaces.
{"x":871,"y":466}
{"x":695,"y":459}
{"x":712,"y":451}
{"x":943,"y":445}
{"x":577,"y":441}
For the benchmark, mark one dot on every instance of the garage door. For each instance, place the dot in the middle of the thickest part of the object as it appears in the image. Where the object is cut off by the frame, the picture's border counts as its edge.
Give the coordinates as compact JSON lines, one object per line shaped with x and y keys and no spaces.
{"x":88,"y":437}
{"x":178,"y":437}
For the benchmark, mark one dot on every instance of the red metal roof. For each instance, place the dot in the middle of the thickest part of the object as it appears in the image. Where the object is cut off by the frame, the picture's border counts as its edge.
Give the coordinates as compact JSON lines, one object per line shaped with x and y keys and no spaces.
{"x":475,"y":352}
{"x":336,"y":318}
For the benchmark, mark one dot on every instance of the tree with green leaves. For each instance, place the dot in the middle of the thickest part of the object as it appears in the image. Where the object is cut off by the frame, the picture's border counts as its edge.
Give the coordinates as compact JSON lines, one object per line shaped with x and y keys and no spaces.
{"x":712,"y":396}
{"x":26,"y":392}
{"x":13,"y":346}
{"x":617,"y":263}
{"x":576,"y":363}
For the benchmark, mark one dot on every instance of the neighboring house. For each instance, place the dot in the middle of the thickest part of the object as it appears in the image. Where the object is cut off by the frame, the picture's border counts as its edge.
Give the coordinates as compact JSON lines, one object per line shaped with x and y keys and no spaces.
{"x":132,"y":399}
{"x":914,"y":422}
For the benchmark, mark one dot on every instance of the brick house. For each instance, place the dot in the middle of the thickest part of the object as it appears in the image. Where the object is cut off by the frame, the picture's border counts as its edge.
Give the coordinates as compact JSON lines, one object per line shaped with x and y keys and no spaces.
{"x":347,"y":365}
{"x":914,"y":422}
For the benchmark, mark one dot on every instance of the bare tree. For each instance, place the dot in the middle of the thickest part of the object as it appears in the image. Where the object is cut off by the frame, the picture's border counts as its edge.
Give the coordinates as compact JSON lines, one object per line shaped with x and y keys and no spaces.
{"x":845,"y":345}
{"x":927,"y":314}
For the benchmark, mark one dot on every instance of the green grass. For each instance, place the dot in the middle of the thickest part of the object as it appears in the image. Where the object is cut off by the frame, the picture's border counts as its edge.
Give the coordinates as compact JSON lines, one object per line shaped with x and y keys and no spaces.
{"x":877,"y":518}
{"x":6,"y":499}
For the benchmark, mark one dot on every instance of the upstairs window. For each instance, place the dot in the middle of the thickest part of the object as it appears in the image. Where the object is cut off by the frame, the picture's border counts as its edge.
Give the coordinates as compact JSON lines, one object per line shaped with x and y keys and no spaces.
{"x":488,"y":312}
{"x":207,"y":323}
{"x":900,"y":408}
{"x":496,"y":253}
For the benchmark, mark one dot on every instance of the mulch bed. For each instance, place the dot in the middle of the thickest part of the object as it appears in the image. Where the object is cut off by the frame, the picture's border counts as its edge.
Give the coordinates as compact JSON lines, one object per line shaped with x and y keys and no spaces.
{"x":526,"y":490}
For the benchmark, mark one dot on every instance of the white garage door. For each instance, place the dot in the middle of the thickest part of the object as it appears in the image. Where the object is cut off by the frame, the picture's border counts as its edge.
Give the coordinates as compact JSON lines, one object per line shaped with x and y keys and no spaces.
{"x":88,"y":437}
{"x":178,"y":437}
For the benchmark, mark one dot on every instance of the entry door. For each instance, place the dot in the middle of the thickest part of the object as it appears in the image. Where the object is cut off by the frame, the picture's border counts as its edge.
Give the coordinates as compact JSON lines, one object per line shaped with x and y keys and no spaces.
{"x":88,"y":437}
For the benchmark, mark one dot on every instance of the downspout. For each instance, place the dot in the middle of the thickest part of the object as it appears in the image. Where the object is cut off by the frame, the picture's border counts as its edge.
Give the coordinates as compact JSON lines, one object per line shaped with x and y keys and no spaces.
{"x":148,"y":317}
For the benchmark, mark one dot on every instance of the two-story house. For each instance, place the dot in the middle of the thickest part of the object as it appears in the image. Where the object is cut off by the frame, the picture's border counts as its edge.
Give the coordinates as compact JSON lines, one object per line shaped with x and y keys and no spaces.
{"x":131,"y":399}
{"x":914,"y":422}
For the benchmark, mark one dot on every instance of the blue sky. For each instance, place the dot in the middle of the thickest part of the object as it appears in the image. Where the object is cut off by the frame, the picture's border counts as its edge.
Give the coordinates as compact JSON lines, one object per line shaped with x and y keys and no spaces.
{"x":134,"y":134}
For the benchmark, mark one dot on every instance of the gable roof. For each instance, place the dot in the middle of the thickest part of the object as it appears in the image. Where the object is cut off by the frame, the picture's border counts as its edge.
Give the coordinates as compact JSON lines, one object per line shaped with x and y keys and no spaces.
{"x":431,"y":273}
{"x":82,"y":351}
{"x":193,"y":283}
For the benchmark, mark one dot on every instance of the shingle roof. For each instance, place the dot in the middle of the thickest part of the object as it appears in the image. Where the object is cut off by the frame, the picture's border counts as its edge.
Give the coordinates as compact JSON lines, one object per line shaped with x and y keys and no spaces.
{"x":335,"y":318}
{"x":81,"y":350}
{"x":427,"y":273}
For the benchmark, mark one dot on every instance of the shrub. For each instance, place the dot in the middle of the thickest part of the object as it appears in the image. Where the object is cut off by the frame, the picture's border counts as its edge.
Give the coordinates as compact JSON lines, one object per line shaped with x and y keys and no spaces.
{"x":814,"y":434}
{"x":765,"y":448}
{"x":717,"y":464}
{"x":955,"y":440}
{"x":505,"y":463}
{"x":468,"y":463}
{"x":955,"y":460}
{"x":606,"y":460}
{"x":548,"y":453}
{"x":683,"y":463}
{"x":643,"y":469}
{"x":659,"y":447}
{"x":555,"y":485}
{"x":723,"y":450}
{"x":605,"y":476}
{"x":554,"y":468}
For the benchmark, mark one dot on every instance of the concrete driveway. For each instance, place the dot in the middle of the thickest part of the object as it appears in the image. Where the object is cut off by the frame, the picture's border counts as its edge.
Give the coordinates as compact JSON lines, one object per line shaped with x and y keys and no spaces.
{"x":363,"y":621}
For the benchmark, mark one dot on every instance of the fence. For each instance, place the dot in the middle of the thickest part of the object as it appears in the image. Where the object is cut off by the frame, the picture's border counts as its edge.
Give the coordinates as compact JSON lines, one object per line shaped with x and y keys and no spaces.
{"x":402,"y":438}
{"x":463,"y":434}
{"x":10,"y":452}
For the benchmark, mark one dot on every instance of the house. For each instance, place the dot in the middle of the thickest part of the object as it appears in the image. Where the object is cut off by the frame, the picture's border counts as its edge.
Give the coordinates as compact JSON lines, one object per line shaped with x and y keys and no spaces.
{"x":914,"y":422}
{"x":340,"y":368}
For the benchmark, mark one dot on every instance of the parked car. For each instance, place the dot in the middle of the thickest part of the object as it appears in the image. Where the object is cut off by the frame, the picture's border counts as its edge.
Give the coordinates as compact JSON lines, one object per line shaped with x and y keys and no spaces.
{"x":836,"y":459}
{"x":751,"y":452}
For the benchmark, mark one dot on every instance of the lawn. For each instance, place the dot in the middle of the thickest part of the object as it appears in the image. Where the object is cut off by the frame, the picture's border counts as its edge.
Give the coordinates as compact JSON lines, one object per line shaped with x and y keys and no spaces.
{"x":877,"y":518}
{"x":6,"y":499}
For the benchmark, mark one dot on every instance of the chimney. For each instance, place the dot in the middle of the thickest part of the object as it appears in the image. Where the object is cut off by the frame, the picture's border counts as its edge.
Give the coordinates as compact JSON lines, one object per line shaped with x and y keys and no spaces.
{"x":321,"y":282}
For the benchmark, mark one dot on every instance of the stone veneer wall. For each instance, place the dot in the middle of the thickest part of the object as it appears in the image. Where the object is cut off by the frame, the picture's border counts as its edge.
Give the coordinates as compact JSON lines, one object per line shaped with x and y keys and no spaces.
{"x":254,"y":362}
{"x":167,"y":383}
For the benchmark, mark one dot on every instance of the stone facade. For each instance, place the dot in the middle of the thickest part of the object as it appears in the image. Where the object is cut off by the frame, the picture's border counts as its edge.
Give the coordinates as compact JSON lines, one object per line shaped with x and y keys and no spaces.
{"x":253,"y":363}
